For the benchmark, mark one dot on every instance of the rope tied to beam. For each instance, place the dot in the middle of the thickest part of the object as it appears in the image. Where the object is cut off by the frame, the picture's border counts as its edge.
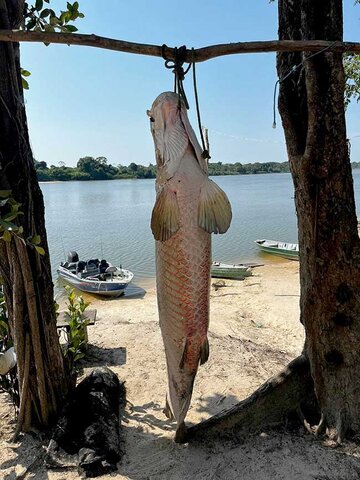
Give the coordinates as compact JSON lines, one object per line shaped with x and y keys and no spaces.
{"x":205,"y":144}
{"x":178,"y":70}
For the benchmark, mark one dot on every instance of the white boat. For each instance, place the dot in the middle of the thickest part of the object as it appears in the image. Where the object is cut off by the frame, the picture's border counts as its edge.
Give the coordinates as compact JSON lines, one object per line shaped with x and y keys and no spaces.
{"x":95,"y":276}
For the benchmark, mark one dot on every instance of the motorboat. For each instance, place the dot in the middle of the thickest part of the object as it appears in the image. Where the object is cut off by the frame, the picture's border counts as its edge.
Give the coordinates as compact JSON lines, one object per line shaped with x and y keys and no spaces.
{"x":95,"y":276}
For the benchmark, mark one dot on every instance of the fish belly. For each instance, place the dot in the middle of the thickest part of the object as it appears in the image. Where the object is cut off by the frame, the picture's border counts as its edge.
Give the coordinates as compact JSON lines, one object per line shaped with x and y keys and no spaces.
{"x":183,"y":287}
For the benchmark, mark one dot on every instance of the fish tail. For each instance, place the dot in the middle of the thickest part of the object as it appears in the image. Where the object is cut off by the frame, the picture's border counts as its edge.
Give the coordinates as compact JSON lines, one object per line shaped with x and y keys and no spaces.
{"x":180,"y":434}
{"x":204,"y":352}
{"x":167,"y":410}
{"x":180,"y":399}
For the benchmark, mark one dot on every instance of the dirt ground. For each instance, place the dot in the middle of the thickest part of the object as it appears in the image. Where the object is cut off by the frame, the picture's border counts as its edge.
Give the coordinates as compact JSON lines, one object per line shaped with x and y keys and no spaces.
{"x":254,"y":333}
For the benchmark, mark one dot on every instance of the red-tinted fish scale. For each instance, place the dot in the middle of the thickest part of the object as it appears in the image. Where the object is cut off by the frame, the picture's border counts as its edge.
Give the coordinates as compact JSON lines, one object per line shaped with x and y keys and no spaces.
{"x":183,"y":269}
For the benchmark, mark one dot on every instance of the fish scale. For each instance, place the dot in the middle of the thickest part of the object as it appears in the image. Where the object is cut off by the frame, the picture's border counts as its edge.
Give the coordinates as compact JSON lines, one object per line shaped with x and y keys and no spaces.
{"x":183,"y":286}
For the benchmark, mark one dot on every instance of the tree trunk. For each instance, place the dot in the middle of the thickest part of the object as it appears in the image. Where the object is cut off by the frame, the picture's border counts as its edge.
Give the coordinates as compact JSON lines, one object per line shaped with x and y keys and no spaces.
{"x":26,"y":275}
{"x":311,"y":103}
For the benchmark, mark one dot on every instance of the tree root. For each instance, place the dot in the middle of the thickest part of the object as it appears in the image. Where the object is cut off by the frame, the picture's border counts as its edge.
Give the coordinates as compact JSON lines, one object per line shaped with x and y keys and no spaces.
{"x":280,"y":398}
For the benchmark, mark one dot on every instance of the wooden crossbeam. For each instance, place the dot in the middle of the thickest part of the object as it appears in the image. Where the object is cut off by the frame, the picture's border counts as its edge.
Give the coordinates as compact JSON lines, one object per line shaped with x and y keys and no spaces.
{"x":196,"y":55}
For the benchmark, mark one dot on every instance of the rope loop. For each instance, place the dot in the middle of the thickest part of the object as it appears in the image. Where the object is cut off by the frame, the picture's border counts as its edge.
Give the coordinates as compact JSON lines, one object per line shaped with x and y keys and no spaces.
{"x":176,"y":66}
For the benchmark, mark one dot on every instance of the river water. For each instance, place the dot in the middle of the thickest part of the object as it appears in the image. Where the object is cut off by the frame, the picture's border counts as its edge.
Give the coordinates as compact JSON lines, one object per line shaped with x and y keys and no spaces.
{"x":110,"y":219}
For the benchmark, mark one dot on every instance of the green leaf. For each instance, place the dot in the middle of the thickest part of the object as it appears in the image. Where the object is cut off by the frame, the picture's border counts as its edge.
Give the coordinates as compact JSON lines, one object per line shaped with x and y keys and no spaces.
{"x":40,"y":250}
{"x":25,"y":84}
{"x":64,"y":17}
{"x":25,"y":73}
{"x":76,"y":6}
{"x":35,"y":240}
{"x":4,"y":325}
{"x":5,"y":193}
{"x":55,"y":21}
{"x":31,"y":24}
{"x":49,"y":28}
{"x":39,"y":5}
{"x":8,"y":225}
{"x":6,"y":236}
{"x":10,"y":216}
{"x":70,"y":28}
{"x":45,"y":13}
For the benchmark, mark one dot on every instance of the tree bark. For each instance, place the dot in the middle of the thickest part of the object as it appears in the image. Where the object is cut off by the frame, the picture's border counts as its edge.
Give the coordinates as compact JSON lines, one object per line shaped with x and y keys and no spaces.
{"x":25,"y":274}
{"x":311,"y":103}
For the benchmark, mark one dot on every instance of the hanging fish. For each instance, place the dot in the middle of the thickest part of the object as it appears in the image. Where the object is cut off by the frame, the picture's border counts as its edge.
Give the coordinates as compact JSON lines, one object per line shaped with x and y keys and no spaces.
{"x":188,"y":208}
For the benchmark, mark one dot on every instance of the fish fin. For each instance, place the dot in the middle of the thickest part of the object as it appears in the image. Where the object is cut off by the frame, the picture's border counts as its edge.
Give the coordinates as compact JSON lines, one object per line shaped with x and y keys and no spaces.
{"x":180,"y":434}
{"x":165,"y":215}
{"x":184,"y":355}
{"x":167,"y":410}
{"x":214,"y":209}
{"x":204,"y":352}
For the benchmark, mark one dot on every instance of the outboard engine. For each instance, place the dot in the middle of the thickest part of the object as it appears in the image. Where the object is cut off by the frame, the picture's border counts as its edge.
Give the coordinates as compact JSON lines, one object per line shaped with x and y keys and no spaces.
{"x":73,"y":257}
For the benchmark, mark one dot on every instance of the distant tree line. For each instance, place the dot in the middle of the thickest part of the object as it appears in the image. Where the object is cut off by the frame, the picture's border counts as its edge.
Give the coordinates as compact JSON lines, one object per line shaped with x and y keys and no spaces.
{"x":90,"y":168}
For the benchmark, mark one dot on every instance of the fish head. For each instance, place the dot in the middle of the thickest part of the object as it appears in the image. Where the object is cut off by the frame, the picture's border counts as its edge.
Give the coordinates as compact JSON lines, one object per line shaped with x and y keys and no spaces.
{"x":172,"y":134}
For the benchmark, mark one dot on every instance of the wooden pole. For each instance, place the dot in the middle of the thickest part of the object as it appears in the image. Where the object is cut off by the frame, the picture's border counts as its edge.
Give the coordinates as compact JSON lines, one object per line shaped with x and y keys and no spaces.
{"x":196,"y":55}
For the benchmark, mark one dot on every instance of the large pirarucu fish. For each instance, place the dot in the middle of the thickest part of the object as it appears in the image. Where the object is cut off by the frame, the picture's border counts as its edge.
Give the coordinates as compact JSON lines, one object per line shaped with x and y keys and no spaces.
{"x":188,"y":208}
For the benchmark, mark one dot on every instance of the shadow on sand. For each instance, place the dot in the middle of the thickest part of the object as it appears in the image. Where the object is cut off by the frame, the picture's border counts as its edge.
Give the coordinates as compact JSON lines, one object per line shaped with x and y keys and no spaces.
{"x":150,"y":453}
{"x":100,"y":357}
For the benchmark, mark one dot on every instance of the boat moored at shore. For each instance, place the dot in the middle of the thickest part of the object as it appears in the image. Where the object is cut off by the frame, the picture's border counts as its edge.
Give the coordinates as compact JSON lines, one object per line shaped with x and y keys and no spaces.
{"x":225,"y":270}
{"x":281,"y":249}
{"x":95,"y":276}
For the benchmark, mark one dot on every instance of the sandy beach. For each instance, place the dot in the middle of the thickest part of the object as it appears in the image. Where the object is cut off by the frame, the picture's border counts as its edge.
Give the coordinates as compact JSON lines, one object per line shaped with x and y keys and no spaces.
{"x":254,"y":332}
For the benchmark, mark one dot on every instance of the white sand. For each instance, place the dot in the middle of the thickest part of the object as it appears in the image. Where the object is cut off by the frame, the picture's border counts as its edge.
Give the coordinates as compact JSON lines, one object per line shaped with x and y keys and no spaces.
{"x":254,"y":333}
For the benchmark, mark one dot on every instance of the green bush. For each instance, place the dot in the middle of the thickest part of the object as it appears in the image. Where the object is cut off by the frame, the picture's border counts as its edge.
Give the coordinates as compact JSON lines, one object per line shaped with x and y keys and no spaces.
{"x":76,"y":333}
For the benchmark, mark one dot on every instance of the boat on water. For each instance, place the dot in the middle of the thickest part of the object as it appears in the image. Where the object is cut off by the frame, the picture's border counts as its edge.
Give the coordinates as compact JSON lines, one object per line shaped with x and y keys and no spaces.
{"x":95,"y":276}
{"x":225,"y":270}
{"x":281,"y":249}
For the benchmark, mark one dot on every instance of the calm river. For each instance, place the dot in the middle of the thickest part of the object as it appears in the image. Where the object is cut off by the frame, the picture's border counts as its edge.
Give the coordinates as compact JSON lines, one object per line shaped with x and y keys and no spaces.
{"x":110,"y":219}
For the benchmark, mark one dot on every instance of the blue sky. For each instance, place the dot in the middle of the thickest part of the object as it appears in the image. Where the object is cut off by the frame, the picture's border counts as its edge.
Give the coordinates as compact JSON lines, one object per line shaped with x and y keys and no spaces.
{"x":86,"y":101}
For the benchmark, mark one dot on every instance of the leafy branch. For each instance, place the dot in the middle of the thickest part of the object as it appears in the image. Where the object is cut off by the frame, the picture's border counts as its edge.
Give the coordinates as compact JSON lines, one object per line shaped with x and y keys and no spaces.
{"x":24,"y":74}
{"x":9,"y":213}
{"x":40,"y":19}
{"x":352,"y":78}
{"x":76,"y":333}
